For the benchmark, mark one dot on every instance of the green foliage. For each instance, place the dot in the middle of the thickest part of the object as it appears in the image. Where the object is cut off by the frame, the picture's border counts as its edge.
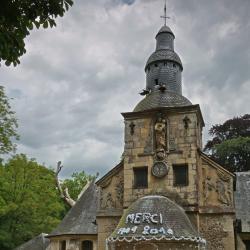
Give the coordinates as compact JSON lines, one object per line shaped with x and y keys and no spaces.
{"x":76,"y":183}
{"x":230,"y":129}
{"x":230,"y":145}
{"x":29,"y":201}
{"x":8,"y":124}
{"x":18,"y":17}
{"x":234,"y":154}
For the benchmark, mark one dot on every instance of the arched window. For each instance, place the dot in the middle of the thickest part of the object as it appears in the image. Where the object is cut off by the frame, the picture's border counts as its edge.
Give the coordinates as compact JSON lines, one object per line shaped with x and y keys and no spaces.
{"x":87,"y":245}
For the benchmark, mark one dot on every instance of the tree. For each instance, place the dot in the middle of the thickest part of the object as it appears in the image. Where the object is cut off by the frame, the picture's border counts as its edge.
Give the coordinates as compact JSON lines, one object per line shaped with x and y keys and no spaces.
{"x":234,"y":154}
{"x":70,"y":189}
{"x":8,"y":124}
{"x":230,"y":145}
{"x":29,"y":201}
{"x":18,"y":17}
{"x":76,"y":183}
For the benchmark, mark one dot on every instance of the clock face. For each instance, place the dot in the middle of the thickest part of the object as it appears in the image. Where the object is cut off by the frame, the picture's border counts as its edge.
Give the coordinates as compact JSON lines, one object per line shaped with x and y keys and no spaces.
{"x":159,"y":169}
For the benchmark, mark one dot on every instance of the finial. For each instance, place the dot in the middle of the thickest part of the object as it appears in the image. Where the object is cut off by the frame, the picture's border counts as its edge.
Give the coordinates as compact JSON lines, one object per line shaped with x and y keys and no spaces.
{"x":165,"y":17}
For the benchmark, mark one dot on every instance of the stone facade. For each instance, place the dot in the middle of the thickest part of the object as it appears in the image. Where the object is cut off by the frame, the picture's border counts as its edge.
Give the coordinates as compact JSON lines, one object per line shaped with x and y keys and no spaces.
{"x":181,"y":148}
{"x":208,"y":196}
{"x":162,"y":158}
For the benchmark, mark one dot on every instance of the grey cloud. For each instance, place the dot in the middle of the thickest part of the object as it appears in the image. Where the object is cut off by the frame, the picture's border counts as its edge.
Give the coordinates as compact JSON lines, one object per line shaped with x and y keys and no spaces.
{"x":77,"y":78}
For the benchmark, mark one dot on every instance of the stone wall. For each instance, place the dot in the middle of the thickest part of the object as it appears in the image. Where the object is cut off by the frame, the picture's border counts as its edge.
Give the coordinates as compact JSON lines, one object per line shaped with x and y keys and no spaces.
{"x":110,"y":207}
{"x":156,"y":246}
{"x":183,"y":129}
{"x":106,"y":225}
{"x":218,"y":231}
{"x":73,"y":242}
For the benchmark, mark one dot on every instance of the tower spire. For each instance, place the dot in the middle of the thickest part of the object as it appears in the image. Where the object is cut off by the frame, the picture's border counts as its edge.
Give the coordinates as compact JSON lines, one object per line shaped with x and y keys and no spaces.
{"x":165,"y":17}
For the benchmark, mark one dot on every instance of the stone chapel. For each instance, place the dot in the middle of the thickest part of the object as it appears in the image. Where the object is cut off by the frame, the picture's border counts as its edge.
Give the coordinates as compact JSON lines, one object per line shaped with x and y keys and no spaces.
{"x":165,"y":193}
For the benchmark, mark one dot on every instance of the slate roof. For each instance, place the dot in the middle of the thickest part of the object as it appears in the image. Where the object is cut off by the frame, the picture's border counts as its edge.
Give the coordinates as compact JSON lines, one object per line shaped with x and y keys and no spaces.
{"x":242,"y":200}
{"x":37,"y":243}
{"x":165,"y":29}
{"x":157,"y":99}
{"x":174,"y":220}
{"x":163,"y":55}
{"x":81,"y":218}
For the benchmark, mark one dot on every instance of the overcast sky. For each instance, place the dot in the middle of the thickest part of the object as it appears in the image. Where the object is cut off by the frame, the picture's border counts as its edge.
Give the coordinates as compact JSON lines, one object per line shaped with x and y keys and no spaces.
{"x":76,"y":79}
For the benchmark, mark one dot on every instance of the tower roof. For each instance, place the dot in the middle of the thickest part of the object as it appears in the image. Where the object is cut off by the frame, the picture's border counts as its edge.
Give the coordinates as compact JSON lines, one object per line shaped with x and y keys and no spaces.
{"x":157,"y":99}
{"x":164,"y":55}
{"x":165,"y":29}
{"x":163,"y":74}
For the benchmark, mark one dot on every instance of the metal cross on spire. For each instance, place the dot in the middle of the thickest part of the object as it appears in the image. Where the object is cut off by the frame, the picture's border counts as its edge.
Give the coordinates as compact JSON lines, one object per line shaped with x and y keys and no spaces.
{"x":165,"y":17}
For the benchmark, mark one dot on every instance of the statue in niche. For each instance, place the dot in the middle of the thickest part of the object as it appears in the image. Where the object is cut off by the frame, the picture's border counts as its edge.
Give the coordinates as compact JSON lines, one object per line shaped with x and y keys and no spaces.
{"x":160,"y":137}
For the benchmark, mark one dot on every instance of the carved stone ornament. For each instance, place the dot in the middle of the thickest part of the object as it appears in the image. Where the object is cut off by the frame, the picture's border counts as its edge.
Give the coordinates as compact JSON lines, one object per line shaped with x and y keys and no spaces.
{"x":160,"y":137}
{"x":106,"y":200}
{"x":119,"y":188}
{"x":109,"y":201}
{"x":208,"y":187}
{"x":132,"y":128}
{"x":159,"y":169}
{"x":223,"y":176}
{"x":223,"y":189}
{"x":224,"y":193}
{"x":186,"y":122}
{"x":221,"y":186}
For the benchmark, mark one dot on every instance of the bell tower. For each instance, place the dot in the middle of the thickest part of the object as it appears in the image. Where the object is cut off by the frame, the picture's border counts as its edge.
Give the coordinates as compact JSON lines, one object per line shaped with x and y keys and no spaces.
{"x":163,"y":133}
{"x":164,"y":66}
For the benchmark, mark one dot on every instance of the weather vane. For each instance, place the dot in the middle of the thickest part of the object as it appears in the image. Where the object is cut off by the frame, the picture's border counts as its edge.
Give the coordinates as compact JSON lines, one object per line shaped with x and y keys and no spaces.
{"x":165,"y":17}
